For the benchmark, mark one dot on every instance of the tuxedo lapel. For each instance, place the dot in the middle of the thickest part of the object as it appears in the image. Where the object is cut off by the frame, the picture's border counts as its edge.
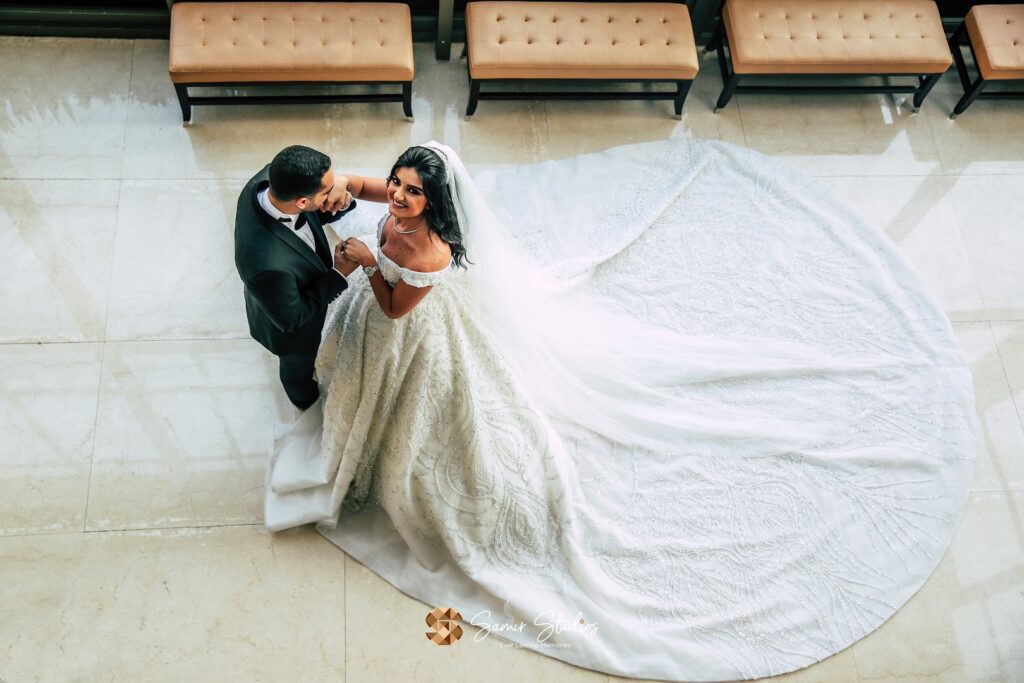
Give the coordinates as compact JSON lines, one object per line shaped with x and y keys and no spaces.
{"x":296,"y":243}
{"x":323,"y":247}
{"x":286,"y":234}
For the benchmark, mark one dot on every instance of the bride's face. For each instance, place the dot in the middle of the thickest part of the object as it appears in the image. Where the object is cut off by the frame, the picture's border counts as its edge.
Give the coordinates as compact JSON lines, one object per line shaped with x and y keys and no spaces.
{"x":405,"y":194}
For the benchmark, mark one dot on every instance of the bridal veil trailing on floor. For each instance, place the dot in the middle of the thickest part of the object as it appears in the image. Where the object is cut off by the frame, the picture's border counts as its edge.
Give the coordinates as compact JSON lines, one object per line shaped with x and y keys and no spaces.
{"x":684,"y":396}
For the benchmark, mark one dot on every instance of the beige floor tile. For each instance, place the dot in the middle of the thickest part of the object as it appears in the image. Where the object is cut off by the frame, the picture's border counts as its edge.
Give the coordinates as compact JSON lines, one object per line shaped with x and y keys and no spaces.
{"x":228,"y":604}
{"x":840,"y":135}
{"x":1010,"y":341}
{"x":964,"y":624}
{"x":65,"y":102}
{"x":499,"y":132}
{"x":372,"y":136}
{"x":590,"y":126}
{"x":57,"y":237}
{"x":174,"y":274}
{"x":990,"y":210}
{"x":183,"y":433}
{"x":221,"y":142}
{"x":383,"y":621}
{"x":368,"y":137}
{"x":984,"y":139}
{"x":47,"y":414}
{"x":917,"y":213}
{"x":1000,"y":464}
{"x":839,"y":668}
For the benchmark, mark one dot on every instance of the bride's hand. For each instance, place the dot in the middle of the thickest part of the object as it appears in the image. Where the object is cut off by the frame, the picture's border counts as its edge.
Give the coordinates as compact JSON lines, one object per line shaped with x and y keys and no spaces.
{"x":355,"y":250}
{"x":339,"y":197}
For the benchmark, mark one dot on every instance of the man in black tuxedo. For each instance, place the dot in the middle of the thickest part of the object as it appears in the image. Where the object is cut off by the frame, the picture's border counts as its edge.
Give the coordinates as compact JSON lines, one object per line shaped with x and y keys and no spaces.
{"x":285,"y":261}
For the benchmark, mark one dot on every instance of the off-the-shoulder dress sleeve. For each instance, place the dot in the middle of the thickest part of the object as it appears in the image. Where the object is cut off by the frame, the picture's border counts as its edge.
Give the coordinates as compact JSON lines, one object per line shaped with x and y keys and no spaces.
{"x":416,"y":278}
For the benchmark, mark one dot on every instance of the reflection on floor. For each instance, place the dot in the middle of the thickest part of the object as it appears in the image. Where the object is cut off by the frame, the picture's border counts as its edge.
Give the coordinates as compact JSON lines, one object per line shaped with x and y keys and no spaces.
{"x":136,"y":412}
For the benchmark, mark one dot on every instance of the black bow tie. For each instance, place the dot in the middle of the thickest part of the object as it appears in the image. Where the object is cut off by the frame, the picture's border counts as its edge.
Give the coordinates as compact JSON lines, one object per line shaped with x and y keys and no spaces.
{"x":298,"y":223}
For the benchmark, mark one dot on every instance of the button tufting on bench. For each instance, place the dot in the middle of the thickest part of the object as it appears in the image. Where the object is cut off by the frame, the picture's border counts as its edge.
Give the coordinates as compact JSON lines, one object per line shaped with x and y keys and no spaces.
{"x":997,"y":48}
{"x":915,"y":45}
{"x":199,"y":55}
{"x":597,"y":50}
{"x":612,"y":41}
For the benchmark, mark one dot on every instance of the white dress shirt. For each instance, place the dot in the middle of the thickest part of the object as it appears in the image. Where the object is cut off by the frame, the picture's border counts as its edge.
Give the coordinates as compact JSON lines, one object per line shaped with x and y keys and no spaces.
{"x":305,"y":233}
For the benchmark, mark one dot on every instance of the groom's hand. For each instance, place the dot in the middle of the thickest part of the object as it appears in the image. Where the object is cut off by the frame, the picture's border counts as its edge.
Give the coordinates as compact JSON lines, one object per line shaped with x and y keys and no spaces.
{"x":339,"y":197}
{"x":343,"y":264}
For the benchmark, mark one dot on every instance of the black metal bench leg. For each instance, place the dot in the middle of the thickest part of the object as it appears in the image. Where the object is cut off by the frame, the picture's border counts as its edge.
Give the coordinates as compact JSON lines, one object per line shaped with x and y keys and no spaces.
{"x":958,"y":34}
{"x":443,"y":41}
{"x":186,"y":107}
{"x":407,"y":98}
{"x":727,"y":91}
{"x":474,"y":97}
{"x":926,"y":87}
{"x":958,"y":56}
{"x":970,"y":95}
{"x":682,"y":89}
{"x":730,"y":79}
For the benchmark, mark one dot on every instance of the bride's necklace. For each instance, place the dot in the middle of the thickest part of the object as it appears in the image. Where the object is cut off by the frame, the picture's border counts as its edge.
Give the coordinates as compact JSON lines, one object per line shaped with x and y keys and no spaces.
{"x":406,"y":232}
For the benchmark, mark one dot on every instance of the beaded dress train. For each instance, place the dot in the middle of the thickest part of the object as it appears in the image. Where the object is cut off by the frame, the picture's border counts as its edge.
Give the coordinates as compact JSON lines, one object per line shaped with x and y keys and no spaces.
{"x":822,"y":457}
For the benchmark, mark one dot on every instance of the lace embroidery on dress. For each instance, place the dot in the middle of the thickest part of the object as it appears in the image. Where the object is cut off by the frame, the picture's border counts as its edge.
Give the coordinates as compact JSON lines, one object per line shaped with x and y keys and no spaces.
{"x":704,"y":561}
{"x":393,"y":272}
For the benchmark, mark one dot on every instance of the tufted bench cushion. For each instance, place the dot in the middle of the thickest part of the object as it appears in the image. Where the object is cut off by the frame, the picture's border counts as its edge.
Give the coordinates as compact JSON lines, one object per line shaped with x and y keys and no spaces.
{"x":997,"y":36}
{"x":238,"y":42}
{"x":836,"y":37}
{"x":580,"y":40}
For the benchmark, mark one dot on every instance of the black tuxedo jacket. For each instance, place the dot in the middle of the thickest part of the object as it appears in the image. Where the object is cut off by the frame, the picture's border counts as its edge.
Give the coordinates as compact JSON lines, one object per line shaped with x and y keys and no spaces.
{"x":287,"y":286}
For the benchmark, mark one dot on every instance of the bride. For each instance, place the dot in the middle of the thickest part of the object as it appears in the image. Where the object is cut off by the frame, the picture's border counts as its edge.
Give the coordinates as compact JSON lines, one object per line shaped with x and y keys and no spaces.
{"x":663,"y":412}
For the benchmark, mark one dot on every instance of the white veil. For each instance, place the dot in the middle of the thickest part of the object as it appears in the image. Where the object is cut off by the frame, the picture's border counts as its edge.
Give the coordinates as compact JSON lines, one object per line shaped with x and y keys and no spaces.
{"x":610,"y":374}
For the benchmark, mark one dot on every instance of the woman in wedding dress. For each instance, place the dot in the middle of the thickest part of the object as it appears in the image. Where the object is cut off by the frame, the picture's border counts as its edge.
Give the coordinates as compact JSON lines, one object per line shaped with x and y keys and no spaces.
{"x":668,"y":411}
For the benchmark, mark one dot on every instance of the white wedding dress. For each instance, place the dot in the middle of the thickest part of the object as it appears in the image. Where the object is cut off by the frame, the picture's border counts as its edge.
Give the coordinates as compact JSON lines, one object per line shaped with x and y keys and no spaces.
{"x":771,"y":491}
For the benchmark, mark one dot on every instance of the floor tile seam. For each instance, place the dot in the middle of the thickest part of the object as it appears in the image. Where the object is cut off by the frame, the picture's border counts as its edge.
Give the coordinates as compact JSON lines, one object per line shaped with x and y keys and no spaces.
{"x":1006,"y":378}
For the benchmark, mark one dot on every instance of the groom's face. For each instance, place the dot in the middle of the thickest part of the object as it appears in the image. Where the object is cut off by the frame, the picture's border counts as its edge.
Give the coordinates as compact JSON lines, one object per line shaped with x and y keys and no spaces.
{"x":317,"y":201}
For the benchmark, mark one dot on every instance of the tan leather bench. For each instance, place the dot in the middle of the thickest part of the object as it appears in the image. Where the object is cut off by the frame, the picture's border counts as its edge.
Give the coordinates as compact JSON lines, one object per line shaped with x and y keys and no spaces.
{"x":845,"y":37}
{"x":259,"y":43}
{"x":995,"y":35}
{"x":579,"y":42}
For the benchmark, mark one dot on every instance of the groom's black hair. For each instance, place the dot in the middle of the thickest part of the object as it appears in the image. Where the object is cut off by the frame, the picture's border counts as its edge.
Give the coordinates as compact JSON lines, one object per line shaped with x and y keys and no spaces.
{"x":296,"y":172}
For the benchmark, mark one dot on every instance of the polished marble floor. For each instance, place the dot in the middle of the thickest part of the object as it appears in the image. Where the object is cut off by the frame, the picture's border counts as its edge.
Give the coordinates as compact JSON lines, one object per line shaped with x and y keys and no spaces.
{"x":135,"y":412}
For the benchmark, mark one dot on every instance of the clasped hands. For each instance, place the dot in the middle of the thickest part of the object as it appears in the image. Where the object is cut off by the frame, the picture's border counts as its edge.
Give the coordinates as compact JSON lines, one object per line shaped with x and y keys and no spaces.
{"x":350,"y":253}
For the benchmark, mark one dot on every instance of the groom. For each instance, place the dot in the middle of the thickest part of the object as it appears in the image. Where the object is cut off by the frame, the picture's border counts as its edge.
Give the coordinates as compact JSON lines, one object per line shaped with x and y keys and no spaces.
{"x":285,"y":261}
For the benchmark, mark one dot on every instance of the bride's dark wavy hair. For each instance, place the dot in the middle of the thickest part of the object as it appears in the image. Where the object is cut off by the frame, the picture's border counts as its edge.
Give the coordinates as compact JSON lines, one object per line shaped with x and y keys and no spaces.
{"x":440,"y":210}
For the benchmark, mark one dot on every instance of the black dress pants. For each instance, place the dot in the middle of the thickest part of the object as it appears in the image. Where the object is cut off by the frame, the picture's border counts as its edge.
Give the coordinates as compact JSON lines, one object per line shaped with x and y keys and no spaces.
{"x":297,"y":378}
